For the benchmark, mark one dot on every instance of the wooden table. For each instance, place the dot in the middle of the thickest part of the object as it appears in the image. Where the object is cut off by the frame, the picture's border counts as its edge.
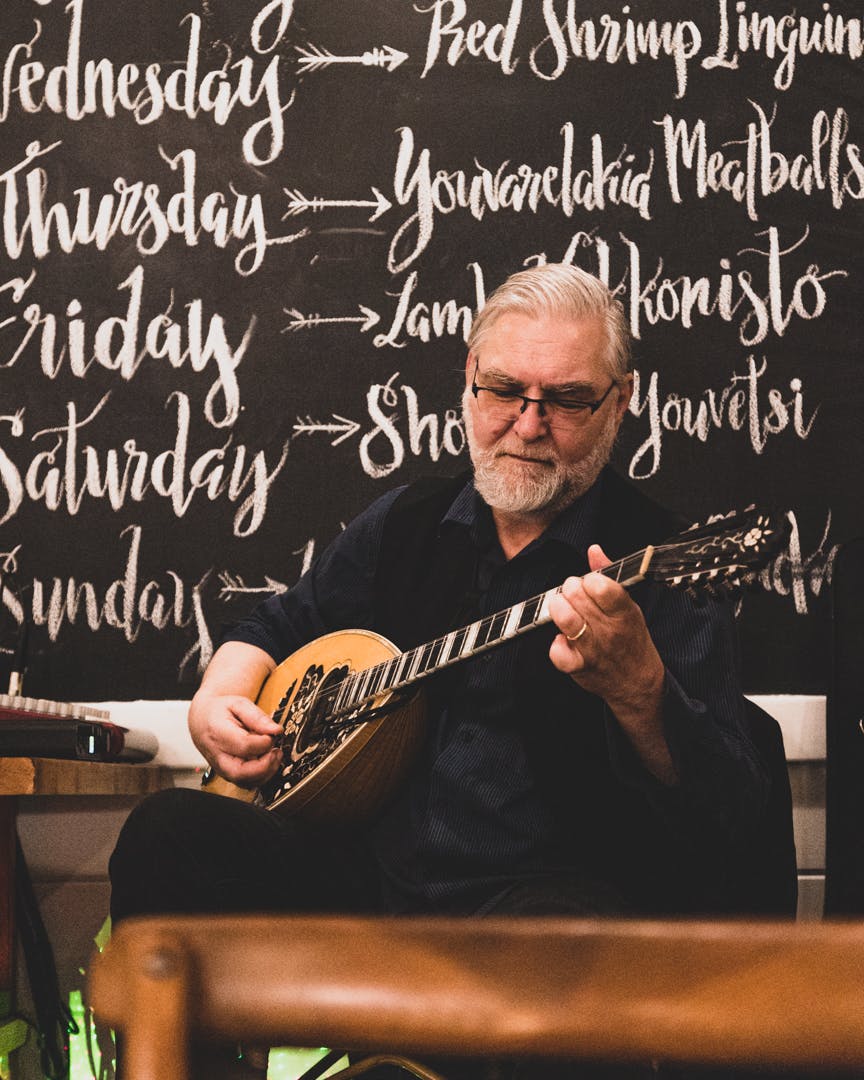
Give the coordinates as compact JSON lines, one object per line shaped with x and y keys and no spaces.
{"x":21,"y":776}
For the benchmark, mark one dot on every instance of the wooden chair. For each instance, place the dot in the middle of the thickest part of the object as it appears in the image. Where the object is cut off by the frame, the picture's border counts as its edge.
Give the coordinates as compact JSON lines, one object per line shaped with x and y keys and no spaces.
{"x":735,"y":993}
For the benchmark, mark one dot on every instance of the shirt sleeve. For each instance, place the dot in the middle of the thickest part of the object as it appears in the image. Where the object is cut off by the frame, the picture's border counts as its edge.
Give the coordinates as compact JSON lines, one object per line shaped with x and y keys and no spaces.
{"x":336,"y":593}
{"x":722,"y":780}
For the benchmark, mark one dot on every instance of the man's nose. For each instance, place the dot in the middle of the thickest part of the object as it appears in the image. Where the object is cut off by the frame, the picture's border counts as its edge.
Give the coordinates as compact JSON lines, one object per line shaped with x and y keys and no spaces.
{"x":532,"y":422}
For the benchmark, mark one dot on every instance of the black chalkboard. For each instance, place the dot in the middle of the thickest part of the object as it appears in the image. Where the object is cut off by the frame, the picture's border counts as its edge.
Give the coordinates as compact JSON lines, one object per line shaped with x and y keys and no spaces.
{"x":242,"y":242}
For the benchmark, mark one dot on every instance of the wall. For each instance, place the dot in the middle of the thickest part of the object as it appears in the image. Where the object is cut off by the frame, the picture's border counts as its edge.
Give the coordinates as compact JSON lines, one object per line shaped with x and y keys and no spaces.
{"x":243,"y":241}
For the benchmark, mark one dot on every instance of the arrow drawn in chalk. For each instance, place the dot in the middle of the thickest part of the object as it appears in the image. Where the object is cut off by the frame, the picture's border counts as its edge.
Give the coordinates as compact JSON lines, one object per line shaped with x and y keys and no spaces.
{"x":342,"y":427}
{"x":313,"y":58}
{"x":368,"y":318}
{"x":298,"y":203}
{"x":234,"y":585}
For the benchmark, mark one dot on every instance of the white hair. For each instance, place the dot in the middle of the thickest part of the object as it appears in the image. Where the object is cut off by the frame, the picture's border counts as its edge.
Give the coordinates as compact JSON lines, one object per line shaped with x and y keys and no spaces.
{"x":559,"y":289}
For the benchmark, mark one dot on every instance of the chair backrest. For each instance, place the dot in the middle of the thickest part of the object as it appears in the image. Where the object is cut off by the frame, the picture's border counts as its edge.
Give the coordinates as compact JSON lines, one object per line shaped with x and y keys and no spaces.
{"x":769,"y":870}
{"x":727,"y":993}
{"x":844,"y":802}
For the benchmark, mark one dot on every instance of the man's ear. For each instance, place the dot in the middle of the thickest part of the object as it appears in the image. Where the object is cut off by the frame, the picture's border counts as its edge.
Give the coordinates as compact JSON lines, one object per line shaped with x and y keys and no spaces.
{"x":625,"y":393}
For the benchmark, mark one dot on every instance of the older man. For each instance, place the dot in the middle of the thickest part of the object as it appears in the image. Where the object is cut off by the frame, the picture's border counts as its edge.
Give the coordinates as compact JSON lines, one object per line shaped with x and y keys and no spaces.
{"x":601,"y":764}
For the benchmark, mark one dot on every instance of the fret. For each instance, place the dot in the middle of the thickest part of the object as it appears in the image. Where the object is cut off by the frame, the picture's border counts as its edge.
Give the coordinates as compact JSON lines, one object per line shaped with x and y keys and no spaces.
{"x":373,"y":683}
{"x":543,"y":611}
{"x":360,"y":689}
{"x":404,"y":660}
{"x":447,"y":647}
{"x":632,"y":569}
{"x":496,"y":627}
{"x":530,"y":611}
{"x":470,"y":638}
{"x":435,"y":652}
{"x":482,"y":634}
{"x":348,"y":693}
{"x":389,"y":669}
{"x":368,"y":678}
{"x":415,"y":662}
{"x":514,"y":616}
{"x":458,"y":646}
{"x":425,"y":657}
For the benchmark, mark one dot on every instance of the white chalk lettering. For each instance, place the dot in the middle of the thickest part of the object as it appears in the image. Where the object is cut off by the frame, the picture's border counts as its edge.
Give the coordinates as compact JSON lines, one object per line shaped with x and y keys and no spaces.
{"x":140,"y":210}
{"x":760,"y":300}
{"x":426,"y":433}
{"x":757,"y":291}
{"x":832,"y":164}
{"x":788,"y":36}
{"x":127,"y":604}
{"x":617,"y":181}
{"x":494,"y":43}
{"x":121,"y":344}
{"x":611,"y":40}
{"x":741,"y":405}
{"x":798,"y":575}
{"x":82,"y":88}
{"x":62,"y":476}
{"x":417,"y":319}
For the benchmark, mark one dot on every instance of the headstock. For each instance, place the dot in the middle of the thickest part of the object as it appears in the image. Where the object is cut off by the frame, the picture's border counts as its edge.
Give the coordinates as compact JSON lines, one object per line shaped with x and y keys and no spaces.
{"x":722,"y":556}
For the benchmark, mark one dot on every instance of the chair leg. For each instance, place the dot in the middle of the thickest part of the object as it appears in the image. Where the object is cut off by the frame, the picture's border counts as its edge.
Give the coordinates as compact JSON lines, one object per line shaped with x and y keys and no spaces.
{"x":157,"y":1042}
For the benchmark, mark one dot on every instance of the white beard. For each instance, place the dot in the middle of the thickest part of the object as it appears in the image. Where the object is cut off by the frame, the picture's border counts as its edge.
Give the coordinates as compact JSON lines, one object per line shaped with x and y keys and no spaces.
{"x":516,"y":488}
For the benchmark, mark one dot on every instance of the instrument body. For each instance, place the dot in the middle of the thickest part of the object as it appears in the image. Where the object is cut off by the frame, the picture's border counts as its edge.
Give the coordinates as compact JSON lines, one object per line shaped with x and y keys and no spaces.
{"x":347,"y":777}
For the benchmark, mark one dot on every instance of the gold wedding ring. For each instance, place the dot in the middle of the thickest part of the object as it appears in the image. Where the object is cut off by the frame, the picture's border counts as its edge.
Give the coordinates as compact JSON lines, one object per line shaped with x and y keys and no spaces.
{"x":581,"y":632}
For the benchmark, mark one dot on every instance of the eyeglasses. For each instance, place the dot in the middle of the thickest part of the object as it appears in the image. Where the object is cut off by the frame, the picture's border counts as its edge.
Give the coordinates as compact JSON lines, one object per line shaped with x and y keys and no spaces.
{"x":500,"y":404}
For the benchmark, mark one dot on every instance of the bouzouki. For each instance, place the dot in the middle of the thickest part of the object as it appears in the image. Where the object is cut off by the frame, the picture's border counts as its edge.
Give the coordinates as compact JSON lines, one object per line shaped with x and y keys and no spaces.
{"x":348,"y":703}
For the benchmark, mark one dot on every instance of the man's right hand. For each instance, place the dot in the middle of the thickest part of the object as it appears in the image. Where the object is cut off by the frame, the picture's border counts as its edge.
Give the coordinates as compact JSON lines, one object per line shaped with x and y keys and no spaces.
{"x":233,"y":734}
{"x":236,"y":738}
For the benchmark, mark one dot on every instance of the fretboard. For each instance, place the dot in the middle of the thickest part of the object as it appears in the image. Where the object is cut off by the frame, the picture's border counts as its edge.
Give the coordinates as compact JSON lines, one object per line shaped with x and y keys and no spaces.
{"x":404,"y":670}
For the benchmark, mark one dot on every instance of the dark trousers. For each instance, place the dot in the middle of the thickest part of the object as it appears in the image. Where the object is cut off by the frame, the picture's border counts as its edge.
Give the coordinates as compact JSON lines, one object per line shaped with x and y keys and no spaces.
{"x":186,"y":851}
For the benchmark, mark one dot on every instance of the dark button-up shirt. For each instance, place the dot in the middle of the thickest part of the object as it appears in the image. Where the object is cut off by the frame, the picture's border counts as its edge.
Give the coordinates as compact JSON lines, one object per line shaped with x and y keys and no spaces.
{"x":508,"y":789}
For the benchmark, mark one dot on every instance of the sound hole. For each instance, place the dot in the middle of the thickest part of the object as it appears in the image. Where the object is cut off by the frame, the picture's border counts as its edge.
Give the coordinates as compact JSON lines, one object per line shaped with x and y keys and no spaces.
{"x":318,"y":708}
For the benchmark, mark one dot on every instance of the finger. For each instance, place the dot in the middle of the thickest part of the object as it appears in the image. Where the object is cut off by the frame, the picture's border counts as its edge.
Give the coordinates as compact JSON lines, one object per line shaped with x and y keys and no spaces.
{"x":597,"y":557}
{"x":254,"y":719}
{"x":585,"y":595}
{"x":567,"y":656}
{"x":570,"y":608}
{"x":249,"y":772}
{"x":243,"y":745}
{"x":610,"y":597}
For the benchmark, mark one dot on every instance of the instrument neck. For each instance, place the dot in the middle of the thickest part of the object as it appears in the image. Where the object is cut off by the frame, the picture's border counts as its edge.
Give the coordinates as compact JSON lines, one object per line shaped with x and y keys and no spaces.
{"x":408,"y":668}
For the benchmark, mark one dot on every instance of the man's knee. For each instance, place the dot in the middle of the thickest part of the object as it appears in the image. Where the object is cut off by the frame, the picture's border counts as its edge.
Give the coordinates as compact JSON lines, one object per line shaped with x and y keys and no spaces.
{"x":153,"y":850}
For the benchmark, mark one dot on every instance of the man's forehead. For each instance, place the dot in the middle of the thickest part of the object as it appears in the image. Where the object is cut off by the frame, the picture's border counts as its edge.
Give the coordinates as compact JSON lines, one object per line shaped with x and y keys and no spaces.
{"x":550,"y":349}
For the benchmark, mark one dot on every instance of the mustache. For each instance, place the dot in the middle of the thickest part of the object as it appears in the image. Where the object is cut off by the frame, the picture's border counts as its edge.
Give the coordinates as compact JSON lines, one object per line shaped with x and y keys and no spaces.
{"x":544,"y":460}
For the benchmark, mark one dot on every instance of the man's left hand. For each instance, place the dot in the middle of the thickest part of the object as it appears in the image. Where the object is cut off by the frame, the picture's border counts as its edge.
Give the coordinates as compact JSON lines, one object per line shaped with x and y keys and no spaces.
{"x":605,"y":646}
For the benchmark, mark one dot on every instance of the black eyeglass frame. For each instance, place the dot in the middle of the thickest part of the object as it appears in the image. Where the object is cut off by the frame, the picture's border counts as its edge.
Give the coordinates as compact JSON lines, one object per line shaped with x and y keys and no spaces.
{"x":573,"y":407}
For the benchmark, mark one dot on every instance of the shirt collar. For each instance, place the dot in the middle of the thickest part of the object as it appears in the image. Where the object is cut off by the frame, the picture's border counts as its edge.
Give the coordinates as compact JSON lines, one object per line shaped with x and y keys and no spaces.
{"x":575,"y":527}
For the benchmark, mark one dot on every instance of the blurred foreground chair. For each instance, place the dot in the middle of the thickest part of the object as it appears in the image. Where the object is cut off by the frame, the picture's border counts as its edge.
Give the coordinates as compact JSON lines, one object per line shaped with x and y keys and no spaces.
{"x":722,"y":993}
